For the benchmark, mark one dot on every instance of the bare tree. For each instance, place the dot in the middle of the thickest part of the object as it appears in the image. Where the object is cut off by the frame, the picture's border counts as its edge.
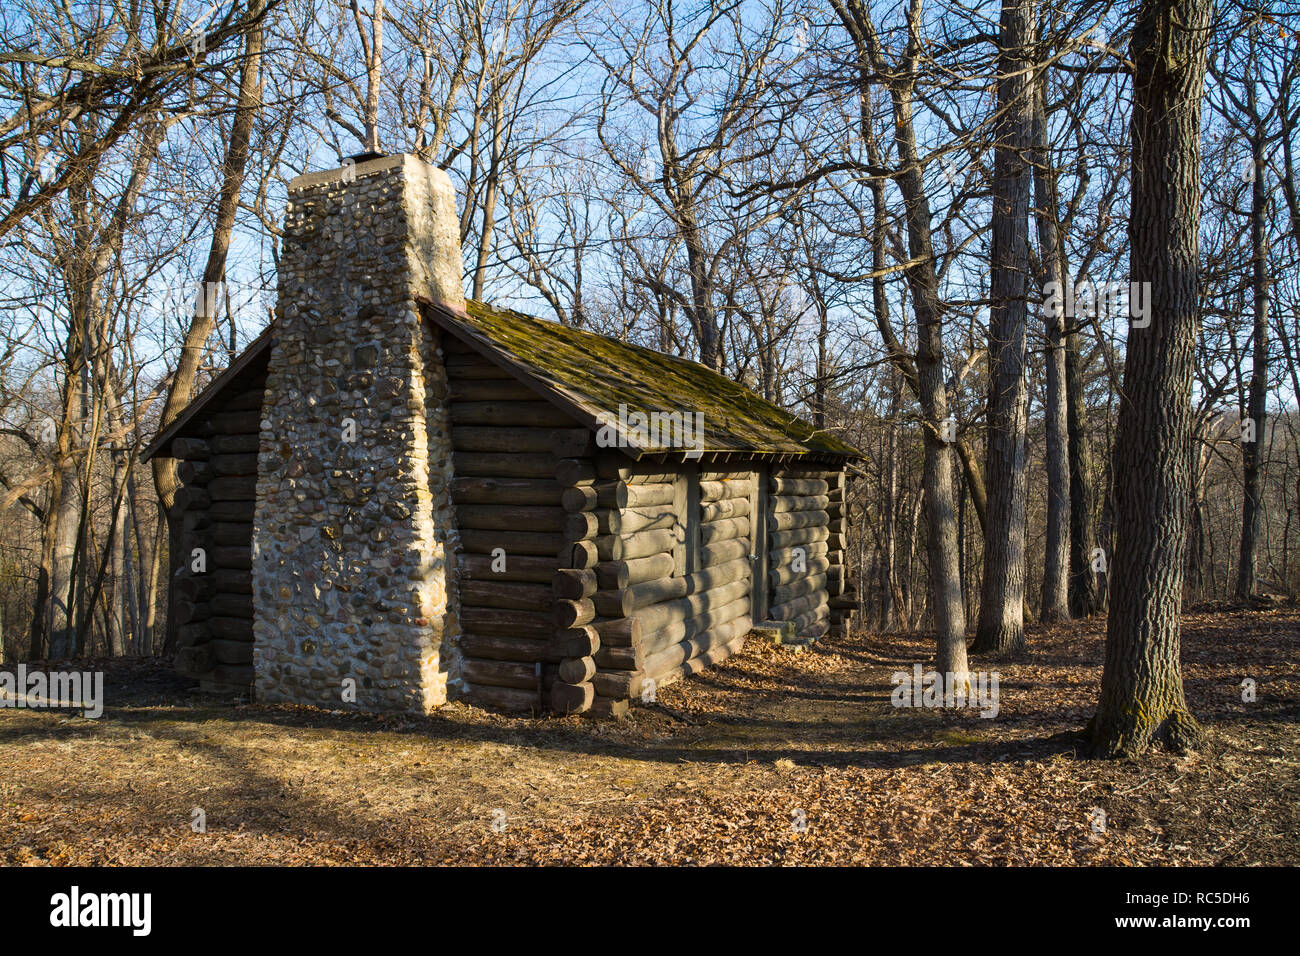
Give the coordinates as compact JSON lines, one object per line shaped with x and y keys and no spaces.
{"x":1054,"y":602}
{"x":203,"y":321}
{"x":1142,"y":700}
{"x":1001,"y":627}
{"x":120,"y":71}
{"x":1246,"y":115}
{"x":703,"y":115}
{"x":899,"y":79}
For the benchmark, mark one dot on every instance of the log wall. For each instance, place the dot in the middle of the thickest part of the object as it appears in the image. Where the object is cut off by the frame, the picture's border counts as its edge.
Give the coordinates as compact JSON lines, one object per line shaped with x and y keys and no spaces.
{"x":591,"y":518}
{"x":842,"y":599}
{"x":217,"y":466}
{"x":513,"y":527}
{"x":806,"y":542}
{"x":673,"y":584}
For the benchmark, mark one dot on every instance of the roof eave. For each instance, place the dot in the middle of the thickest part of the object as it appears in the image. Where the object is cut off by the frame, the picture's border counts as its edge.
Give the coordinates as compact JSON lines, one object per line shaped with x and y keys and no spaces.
{"x":255,"y":350}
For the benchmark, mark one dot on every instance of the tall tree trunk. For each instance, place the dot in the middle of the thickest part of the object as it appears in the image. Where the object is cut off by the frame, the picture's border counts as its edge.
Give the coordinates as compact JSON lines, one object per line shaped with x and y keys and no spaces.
{"x":703,"y":317}
{"x":38,"y":635}
{"x":946,"y":605}
{"x":1001,"y":626}
{"x":1252,"y":505}
{"x":970,"y":469}
{"x":372,"y":51}
{"x":901,"y":358}
{"x":204,"y":320}
{"x":116,"y":609}
{"x":121,"y":596}
{"x":890,"y":594}
{"x":1055,"y":595}
{"x":1196,"y":536}
{"x":66,"y":526}
{"x":1085,"y":599}
{"x":823,"y":365}
{"x":130,"y":582}
{"x":1142,"y":699}
{"x":490,"y":190}
{"x":153,"y":583}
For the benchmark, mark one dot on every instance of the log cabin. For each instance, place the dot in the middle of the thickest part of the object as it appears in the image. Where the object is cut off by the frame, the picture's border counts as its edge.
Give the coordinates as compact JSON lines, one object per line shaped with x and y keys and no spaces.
{"x":395,"y":497}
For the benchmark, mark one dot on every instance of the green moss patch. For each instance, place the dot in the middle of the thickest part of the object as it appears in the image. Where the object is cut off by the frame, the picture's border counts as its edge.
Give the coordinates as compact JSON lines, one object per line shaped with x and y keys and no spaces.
{"x":602,"y":373}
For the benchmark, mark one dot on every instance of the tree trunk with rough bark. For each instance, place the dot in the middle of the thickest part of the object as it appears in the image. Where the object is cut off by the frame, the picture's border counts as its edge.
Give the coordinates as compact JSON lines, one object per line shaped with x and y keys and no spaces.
{"x":1055,"y":594}
{"x":946,"y":605}
{"x":1142,"y":699}
{"x":1252,"y":506}
{"x":1001,"y":627}
{"x":1085,"y":599}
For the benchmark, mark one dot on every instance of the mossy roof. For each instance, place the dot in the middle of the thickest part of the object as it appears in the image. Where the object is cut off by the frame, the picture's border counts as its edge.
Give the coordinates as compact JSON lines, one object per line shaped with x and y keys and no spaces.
{"x":594,"y":375}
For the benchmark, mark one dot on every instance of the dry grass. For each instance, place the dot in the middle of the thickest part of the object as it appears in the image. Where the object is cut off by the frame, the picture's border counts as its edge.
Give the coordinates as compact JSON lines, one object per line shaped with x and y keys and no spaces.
{"x":723,"y":770}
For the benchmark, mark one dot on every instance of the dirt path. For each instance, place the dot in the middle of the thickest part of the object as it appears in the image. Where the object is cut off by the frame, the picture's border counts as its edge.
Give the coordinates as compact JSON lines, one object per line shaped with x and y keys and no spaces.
{"x":772,"y":757}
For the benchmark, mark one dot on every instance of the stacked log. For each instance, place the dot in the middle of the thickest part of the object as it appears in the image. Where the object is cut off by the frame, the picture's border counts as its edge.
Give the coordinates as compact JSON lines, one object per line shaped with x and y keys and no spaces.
{"x":806,"y":542}
{"x":213,"y":587}
{"x":843,"y":601}
{"x":512,"y":526}
{"x":192,"y":590}
{"x":712,"y":620}
{"x":583,"y":606}
{"x":678,"y":620}
{"x":635,"y":532}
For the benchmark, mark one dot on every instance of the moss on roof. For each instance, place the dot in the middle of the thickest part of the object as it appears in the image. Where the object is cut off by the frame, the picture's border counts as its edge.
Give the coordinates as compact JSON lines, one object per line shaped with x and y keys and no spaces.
{"x":599,"y":374}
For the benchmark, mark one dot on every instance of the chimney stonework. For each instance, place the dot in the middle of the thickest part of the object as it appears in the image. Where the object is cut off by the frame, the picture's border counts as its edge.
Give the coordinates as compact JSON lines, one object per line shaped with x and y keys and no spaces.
{"x":355,"y":538}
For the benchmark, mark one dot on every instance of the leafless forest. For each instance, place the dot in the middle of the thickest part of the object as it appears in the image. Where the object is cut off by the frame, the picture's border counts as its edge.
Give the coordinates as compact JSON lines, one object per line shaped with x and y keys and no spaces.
{"x":963,"y":237}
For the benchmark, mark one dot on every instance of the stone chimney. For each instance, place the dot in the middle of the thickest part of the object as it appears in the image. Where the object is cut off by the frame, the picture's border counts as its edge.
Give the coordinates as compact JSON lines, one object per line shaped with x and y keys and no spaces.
{"x":354,"y":534}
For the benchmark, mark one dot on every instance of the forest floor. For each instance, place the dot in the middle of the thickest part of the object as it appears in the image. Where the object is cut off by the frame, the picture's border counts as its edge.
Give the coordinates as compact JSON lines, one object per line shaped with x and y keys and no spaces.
{"x":772,"y":757}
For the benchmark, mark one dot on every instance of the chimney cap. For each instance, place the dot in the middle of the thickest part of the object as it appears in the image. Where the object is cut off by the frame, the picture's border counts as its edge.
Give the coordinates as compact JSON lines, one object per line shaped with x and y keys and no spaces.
{"x":366,"y":156}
